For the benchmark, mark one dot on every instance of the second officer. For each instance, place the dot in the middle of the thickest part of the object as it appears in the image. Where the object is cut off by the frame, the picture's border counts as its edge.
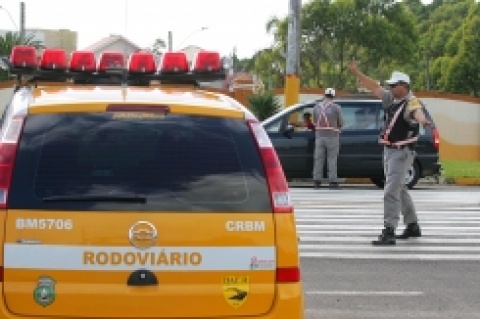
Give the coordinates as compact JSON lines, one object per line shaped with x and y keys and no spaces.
{"x":328,"y":119}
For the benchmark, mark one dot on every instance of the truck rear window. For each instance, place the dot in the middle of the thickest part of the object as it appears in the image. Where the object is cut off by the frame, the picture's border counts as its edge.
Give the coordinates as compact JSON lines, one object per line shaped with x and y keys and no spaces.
{"x":137,"y":162}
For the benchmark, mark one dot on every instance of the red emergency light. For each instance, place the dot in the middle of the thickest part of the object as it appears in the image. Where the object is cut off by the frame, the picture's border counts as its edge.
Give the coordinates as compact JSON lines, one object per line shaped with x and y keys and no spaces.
{"x":23,"y":56}
{"x":207,"y":61}
{"x":110,"y":69}
{"x":110,"y":59}
{"x":82,"y":61}
{"x":174,"y":62}
{"x":142,"y":62}
{"x":53,"y":59}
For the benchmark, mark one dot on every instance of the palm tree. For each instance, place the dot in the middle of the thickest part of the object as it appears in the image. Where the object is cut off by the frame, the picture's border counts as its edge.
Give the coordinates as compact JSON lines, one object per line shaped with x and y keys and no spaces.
{"x":10,"y":39}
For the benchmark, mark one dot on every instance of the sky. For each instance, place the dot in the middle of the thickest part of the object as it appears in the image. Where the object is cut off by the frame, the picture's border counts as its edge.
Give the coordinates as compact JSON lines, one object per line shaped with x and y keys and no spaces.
{"x":217,"y":25}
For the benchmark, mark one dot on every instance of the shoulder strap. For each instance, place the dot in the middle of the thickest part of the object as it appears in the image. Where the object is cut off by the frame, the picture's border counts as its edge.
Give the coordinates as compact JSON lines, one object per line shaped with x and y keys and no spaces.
{"x":388,"y":129}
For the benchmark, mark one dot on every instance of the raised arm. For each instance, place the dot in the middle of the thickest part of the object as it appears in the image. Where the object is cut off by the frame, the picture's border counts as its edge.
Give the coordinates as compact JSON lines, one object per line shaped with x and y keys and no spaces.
{"x":365,"y":80}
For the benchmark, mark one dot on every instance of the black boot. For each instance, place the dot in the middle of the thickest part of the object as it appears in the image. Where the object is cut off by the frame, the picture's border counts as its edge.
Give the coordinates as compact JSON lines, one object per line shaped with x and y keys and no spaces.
{"x":412,"y":230}
{"x":334,"y":185}
{"x":386,"y":238}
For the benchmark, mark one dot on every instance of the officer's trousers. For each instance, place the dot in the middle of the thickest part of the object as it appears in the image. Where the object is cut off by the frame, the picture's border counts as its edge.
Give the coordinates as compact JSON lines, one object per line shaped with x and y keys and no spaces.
{"x":326,"y":147}
{"x":396,"y":198}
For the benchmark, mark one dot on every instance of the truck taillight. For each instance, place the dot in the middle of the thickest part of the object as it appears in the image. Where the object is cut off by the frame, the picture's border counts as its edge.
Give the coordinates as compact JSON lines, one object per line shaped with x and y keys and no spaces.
{"x":8,"y":150}
{"x":277,"y":183}
{"x":288,"y":274}
{"x":436,"y":138}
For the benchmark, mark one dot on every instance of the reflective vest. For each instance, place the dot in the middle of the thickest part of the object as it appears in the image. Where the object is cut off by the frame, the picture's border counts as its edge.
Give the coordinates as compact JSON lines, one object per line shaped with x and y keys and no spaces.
{"x":322,"y":121}
{"x":398,"y":131}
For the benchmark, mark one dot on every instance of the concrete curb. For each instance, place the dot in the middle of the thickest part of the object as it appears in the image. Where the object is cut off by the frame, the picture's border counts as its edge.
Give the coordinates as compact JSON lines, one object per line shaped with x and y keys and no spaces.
{"x":465,"y":181}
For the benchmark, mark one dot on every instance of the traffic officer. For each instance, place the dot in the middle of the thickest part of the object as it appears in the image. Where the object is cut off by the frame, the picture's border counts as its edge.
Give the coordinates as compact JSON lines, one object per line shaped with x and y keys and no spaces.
{"x":328,"y":119}
{"x":400,"y":132}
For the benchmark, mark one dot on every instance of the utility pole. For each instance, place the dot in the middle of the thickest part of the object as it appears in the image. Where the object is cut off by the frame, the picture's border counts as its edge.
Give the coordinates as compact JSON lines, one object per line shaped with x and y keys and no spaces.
{"x":22,"y":22}
{"x":292,"y":80}
{"x":170,"y":41}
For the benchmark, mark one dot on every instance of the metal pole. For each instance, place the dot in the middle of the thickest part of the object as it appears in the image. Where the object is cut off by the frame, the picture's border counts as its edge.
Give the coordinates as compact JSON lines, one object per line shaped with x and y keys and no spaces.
{"x":170,"y":41}
{"x":292,"y":81}
{"x":22,"y":23}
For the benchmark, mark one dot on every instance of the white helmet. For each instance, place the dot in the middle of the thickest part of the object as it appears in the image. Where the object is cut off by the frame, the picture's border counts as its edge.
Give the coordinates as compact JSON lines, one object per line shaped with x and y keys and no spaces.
{"x":330,"y":91}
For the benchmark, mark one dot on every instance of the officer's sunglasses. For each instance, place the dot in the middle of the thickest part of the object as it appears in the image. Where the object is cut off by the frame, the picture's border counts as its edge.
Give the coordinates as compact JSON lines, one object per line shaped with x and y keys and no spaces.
{"x":394,"y":85}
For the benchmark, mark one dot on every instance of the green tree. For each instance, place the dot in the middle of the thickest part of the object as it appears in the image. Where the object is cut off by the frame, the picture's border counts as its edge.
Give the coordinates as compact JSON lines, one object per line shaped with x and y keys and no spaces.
{"x":463,"y":75}
{"x":263,"y":105}
{"x":10,"y":39}
{"x":441,"y":35}
{"x":315,"y":44}
{"x":433,"y":43}
{"x":333,"y":32}
{"x":269,"y":63}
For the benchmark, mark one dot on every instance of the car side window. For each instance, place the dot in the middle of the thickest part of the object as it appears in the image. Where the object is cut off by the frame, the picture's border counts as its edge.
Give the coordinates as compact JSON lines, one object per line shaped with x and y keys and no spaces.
{"x":360,"y":116}
{"x":274,"y":126}
{"x":302,"y":119}
{"x":381,"y":118}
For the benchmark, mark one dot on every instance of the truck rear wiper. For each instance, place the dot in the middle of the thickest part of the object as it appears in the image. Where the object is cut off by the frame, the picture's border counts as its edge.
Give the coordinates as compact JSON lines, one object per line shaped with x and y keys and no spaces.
{"x":136,"y":199}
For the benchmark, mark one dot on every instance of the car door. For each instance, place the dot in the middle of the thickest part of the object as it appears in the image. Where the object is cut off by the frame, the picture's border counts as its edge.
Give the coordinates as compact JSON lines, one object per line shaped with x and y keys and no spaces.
{"x":360,"y":154}
{"x":293,"y":142}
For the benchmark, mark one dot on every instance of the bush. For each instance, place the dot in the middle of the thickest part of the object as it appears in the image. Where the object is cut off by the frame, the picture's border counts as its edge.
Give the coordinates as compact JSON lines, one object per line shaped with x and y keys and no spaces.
{"x":263,"y":105}
{"x":3,"y":75}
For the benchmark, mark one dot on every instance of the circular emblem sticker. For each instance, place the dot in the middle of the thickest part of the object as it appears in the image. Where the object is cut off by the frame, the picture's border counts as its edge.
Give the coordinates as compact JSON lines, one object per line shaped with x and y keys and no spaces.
{"x":142,"y":235}
{"x":44,"y":293}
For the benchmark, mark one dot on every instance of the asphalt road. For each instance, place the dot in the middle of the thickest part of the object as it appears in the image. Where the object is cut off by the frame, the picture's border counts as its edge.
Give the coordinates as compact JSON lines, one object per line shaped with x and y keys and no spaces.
{"x":344,"y":276}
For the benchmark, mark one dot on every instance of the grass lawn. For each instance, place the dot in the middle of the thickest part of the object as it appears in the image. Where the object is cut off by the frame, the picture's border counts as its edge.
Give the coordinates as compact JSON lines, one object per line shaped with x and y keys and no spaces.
{"x":461,"y":169}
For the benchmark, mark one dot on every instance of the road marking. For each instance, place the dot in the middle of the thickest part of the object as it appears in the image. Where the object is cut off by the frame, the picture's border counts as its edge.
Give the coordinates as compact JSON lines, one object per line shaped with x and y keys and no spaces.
{"x":343,"y":227}
{"x":397,"y":248}
{"x":382,"y":254}
{"x":366,"y":293}
{"x":363,"y":239}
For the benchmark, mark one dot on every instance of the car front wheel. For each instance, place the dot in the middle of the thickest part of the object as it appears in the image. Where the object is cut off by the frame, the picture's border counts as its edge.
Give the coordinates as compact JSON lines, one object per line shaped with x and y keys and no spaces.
{"x":411,"y":180}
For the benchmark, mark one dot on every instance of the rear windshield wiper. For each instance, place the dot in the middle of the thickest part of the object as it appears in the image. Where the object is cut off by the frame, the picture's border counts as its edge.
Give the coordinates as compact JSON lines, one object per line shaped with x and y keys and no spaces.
{"x":136,"y":199}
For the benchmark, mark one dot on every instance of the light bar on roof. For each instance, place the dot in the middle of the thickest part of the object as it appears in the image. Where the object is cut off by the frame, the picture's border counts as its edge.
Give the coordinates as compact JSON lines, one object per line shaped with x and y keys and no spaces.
{"x":110,"y":59}
{"x":53,"y":59}
{"x":174,"y":62}
{"x":110,"y":69}
{"x":82,"y":61}
{"x":142,"y":62}
{"x":207,"y":61}
{"x":23,"y":56}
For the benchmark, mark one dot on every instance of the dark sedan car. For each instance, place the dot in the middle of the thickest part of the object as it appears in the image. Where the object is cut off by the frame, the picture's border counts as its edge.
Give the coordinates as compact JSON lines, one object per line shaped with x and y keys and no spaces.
{"x":360,"y":154}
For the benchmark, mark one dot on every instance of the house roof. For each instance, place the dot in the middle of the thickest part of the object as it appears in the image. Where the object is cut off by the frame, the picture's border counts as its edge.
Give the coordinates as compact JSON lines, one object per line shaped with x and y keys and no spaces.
{"x":106,"y":41}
